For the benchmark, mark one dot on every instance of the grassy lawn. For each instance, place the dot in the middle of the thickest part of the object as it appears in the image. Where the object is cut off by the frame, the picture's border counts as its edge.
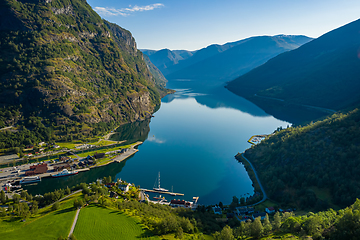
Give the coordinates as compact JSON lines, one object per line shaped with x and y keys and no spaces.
{"x":186,"y":236}
{"x":45,"y":225}
{"x":266,"y":204}
{"x":280,"y":236}
{"x":102,"y":223}
{"x":324,"y":194}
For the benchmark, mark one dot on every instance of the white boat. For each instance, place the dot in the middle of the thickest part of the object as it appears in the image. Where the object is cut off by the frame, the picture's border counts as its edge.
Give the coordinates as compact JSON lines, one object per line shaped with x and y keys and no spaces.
{"x":172,"y":191}
{"x":26,"y":180}
{"x":158,"y":188}
{"x":64,"y":173}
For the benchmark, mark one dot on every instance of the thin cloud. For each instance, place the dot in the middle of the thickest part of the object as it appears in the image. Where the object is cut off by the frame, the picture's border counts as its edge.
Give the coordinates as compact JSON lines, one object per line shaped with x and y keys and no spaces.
{"x":108,"y":11}
{"x":154,"y":139}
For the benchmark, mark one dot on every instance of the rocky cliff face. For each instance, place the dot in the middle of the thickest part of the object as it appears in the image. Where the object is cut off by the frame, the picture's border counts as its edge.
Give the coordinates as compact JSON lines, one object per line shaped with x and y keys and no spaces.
{"x":62,"y":63}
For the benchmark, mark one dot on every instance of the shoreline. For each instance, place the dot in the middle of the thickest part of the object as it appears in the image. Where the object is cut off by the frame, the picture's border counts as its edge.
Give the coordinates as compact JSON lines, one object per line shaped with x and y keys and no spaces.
{"x":121,"y":157}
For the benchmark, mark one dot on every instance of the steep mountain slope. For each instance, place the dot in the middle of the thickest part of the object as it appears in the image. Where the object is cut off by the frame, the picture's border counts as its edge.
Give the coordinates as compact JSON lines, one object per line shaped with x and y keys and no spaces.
{"x":312,"y":166}
{"x":324,"y":73}
{"x":62,"y":64}
{"x":237,"y":58}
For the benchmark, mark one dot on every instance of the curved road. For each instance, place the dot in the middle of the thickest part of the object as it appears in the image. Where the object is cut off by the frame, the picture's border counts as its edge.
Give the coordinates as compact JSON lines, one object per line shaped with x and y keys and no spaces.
{"x":257,"y":178}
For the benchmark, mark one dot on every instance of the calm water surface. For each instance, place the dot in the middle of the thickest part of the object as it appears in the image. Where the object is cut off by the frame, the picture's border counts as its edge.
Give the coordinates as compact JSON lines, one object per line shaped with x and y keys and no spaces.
{"x":192,"y":141}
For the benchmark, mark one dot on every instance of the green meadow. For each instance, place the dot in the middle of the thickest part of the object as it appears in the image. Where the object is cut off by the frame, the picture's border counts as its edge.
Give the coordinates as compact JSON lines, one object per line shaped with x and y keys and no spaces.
{"x":100,"y":223}
{"x":45,"y":225}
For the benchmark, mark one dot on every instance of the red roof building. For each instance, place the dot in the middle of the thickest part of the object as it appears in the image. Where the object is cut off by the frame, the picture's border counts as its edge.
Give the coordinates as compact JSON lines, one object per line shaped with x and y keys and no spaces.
{"x":37,"y":169}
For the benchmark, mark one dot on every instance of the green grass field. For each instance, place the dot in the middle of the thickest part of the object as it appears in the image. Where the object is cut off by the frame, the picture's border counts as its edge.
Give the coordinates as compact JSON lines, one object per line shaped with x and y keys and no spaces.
{"x":46,"y":225}
{"x":104,"y":224}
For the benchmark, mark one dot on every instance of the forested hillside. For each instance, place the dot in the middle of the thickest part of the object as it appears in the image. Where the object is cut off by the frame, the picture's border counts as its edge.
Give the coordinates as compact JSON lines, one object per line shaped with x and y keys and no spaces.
{"x":313,"y":166}
{"x":65,"y":72}
{"x":323,"y":73}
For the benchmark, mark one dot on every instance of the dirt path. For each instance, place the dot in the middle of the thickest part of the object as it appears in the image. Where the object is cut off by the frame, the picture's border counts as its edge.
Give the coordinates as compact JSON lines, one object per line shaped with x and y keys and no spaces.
{"x":74,"y":223}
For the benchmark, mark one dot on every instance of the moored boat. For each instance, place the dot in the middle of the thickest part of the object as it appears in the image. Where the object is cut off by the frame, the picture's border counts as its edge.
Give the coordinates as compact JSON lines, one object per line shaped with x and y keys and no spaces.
{"x":27,"y":180}
{"x":160,"y":189}
{"x":64,"y":173}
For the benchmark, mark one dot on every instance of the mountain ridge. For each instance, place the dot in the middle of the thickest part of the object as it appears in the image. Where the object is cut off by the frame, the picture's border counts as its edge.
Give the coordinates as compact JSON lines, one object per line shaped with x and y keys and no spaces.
{"x":313,"y":74}
{"x":227,"y":61}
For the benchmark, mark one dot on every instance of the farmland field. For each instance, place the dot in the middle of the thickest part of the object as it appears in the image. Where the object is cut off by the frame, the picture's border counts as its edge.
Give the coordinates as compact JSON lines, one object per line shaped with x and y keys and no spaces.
{"x":47,"y":225}
{"x":105,"y":224}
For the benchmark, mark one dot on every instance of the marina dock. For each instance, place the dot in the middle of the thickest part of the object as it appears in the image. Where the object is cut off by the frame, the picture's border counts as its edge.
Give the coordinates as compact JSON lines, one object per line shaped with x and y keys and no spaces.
{"x":161,"y":192}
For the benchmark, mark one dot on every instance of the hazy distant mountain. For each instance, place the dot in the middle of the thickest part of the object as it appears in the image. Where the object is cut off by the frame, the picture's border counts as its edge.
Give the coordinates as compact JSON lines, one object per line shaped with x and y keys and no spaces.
{"x":224,"y":62}
{"x":324,"y":72}
{"x":165,"y":58}
{"x":158,"y":77}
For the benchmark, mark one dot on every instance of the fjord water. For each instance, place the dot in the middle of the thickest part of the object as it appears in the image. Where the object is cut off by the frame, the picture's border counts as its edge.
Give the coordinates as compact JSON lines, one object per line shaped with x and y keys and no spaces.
{"x":191,"y":141}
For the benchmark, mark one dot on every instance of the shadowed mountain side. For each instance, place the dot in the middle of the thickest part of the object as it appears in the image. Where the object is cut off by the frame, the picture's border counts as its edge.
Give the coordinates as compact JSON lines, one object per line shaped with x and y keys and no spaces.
{"x":132,"y":132}
{"x":238,"y":59}
{"x":323,"y":73}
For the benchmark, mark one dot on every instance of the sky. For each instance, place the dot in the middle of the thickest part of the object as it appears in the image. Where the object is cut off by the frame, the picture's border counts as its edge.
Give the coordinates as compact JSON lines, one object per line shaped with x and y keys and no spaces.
{"x":194,"y":24}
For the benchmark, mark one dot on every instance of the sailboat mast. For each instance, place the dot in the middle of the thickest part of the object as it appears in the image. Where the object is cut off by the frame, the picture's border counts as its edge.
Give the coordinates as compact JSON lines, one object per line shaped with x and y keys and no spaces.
{"x":159,"y":180}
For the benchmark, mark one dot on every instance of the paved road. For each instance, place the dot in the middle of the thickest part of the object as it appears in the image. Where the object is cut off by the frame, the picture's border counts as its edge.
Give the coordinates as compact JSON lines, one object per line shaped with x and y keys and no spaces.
{"x":257,"y":178}
{"x":6,"y":128}
{"x":74,"y":223}
{"x":302,"y":105}
{"x":77,"y":191}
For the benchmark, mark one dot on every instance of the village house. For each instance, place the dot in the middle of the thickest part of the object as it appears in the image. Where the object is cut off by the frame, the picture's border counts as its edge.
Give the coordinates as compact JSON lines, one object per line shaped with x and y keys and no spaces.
{"x":124,"y":187}
{"x":181,"y":203}
{"x":114,"y":195}
{"x":270,"y":210}
{"x":217,"y":210}
{"x":37,"y":169}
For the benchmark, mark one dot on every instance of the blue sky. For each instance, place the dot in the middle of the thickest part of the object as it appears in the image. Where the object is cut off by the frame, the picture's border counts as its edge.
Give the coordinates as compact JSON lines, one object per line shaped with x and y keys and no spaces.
{"x":194,"y":24}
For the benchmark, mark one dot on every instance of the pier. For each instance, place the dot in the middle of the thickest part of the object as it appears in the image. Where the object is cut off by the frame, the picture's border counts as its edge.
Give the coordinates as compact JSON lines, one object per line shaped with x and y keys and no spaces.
{"x":161,"y":192}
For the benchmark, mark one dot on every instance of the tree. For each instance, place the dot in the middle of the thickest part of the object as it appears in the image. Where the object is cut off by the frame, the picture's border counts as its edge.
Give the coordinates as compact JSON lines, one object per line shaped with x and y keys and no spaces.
{"x":267,"y":225}
{"x":256,"y":228}
{"x":34,"y":207}
{"x":225,"y":234}
{"x":2,"y":197}
{"x":67,"y":190}
{"x":234,"y":203}
{"x":55,"y":206}
{"x":16,"y":198}
{"x":179,"y":233}
{"x":243,"y":231}
{"x":2,"y":212}
{"x":78,"y":203}
{"x":277,"y":221}
{"x":348,"y":226}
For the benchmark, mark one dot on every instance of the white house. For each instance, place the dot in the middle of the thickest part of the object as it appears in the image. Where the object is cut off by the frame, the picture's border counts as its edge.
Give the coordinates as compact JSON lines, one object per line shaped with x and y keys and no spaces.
{"x":124,"y":187}
{"x":270,"y":210}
